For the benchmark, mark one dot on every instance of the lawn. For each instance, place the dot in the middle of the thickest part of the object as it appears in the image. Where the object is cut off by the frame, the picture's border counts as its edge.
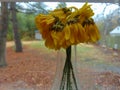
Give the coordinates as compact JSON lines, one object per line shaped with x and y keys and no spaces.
{"x":34,"y":68}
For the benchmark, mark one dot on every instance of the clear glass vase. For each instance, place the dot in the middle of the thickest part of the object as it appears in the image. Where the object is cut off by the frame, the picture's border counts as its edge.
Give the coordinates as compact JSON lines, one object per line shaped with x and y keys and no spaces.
{"x":66,"y":77}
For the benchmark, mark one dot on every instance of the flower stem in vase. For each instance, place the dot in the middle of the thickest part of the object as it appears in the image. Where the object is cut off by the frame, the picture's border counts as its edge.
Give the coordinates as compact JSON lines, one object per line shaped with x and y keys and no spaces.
{"x":68,"y":81}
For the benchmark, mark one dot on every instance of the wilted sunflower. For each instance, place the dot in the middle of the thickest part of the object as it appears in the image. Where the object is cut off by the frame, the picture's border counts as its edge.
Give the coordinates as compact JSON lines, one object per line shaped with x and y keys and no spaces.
{"x":64,"y":27}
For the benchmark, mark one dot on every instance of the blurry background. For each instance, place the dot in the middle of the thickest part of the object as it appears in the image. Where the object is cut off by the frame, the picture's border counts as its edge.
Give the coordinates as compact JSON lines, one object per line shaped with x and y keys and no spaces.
{"x":107,"y":17}
{"x":34,"y":67}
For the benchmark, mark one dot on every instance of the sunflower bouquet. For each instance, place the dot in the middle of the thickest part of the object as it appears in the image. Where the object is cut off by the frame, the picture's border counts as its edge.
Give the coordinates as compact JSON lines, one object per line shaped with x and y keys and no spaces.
{"x":64,"y":27}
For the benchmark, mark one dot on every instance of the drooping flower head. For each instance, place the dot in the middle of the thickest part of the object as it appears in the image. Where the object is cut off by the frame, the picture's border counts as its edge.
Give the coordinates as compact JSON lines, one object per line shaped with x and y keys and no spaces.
{"x":67,"y":26}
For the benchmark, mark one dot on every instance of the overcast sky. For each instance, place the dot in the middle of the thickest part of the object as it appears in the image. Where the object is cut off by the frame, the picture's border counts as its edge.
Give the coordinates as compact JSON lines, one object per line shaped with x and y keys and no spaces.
{"x":97,"y":7}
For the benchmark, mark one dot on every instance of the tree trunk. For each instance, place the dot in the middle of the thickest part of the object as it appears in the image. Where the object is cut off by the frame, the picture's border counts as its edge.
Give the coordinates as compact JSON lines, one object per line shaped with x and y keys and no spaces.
{"x":18,"y":44}
{"x":3,"y":32}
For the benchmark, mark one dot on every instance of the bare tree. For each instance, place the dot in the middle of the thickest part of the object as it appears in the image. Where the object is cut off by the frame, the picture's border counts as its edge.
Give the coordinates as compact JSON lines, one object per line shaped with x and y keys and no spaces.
{"x":3,"y":32}
{"x":106,"y":24}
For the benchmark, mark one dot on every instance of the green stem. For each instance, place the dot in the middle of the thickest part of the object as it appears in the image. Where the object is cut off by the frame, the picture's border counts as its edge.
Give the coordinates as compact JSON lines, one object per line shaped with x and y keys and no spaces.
{"x":68,"y":52}
{"x":73,"y":76}
{"x":68,"y":73}
{"x":62,"y":85}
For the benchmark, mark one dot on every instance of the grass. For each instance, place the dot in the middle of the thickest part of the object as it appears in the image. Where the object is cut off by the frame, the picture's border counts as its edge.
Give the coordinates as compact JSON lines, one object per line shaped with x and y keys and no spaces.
{"x":37,"y":44}
{"x":90,"y":56}
{"x":87,"y":54}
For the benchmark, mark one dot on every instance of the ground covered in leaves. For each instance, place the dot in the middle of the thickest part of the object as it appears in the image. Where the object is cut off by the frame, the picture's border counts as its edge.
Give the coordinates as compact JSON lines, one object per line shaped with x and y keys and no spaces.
{"x":30,"y":69}
{"x":34,"y":69}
